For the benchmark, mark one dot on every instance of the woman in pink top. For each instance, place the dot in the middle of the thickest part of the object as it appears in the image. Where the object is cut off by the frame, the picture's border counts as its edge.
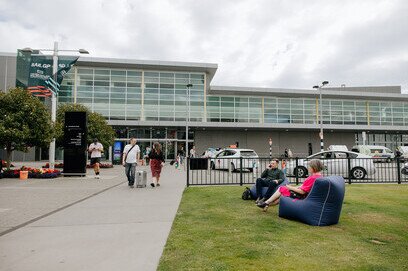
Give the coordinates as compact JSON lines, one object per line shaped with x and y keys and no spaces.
{"x":315,"y":167}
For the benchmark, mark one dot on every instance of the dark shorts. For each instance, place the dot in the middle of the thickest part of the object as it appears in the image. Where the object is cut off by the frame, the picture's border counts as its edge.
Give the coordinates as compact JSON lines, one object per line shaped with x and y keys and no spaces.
{"x":95,"y":160}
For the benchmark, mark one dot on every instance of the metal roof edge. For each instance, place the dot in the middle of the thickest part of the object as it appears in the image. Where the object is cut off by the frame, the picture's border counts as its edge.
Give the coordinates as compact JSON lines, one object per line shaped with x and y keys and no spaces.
{"x":286,"y":92}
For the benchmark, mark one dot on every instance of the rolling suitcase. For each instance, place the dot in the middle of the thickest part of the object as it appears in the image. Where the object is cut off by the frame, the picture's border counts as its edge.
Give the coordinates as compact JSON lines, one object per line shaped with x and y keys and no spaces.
{"x":141,"y":178}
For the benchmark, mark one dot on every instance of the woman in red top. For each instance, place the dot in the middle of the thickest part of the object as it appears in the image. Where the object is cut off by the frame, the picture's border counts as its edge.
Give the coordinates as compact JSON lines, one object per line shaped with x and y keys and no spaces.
{"x":315,"y":167}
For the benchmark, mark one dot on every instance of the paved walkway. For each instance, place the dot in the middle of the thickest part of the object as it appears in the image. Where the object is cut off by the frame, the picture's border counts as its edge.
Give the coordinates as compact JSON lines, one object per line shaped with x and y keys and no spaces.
{"x":86,"y":224}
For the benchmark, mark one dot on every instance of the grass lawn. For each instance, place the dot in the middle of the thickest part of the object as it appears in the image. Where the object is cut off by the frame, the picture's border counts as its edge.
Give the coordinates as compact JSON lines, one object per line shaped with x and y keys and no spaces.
{"x":216,"y":230}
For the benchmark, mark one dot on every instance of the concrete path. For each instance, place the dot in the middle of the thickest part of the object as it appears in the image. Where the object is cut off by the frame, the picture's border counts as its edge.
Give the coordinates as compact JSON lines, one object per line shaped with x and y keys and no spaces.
{"x":86,"y":224}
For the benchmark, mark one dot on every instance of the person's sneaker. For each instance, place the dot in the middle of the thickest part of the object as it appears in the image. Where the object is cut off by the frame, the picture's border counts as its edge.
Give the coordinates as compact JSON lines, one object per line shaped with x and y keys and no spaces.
{"x":260,"y":202}
{"x":97,"y":177}
{"x":158,"y":184}
{"x":152,"y":184}
{"x":263,"y":204}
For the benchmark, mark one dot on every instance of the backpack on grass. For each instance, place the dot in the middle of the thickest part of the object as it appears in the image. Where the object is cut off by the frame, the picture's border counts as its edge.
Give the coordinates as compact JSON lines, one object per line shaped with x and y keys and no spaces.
{"x":246,"y":195}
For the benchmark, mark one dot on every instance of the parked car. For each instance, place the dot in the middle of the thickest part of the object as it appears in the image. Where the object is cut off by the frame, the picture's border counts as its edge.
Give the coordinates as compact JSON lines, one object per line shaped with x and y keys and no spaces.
{"x":404,"y":170}
{"x":404,"y":152}
{"x":211,"y":152}
{"x":381,"y":153}
{"x":336,"y":163}
{"x":230,"y":159}
{"x":337,"y":148}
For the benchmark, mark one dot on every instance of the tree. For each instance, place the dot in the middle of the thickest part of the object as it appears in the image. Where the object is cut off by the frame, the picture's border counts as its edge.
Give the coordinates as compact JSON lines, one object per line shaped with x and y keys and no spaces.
{"x":24,"y":123}
{"x":97,"y":125}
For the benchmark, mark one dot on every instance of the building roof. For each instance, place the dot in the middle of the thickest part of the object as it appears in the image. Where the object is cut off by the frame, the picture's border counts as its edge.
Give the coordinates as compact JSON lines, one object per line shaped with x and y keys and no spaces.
{"x":386,"y":93}
{"x":381,"y":92}
{"x":209,"y":68}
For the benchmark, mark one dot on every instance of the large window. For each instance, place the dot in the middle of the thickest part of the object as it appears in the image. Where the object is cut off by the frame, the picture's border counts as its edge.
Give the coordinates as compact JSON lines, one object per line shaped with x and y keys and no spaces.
{"x":117,"y":94}
{"x":167,"y":97}
{"x":234,"y":109}
{"x":388,"y":113}
{"x":289,"y":110}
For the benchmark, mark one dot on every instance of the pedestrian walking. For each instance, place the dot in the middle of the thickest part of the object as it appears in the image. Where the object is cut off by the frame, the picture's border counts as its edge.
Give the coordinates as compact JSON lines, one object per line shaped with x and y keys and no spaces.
{"x":290,"y":154}
{"x":131,"y":155}
{"x":193,"y":152}
{"x":181,"y":155}
{"x":95,"y":149}
{"x":146,"y":155}
{"x":286,"y":155}
{"x":398,"y":154}
{"x":156,"y":163}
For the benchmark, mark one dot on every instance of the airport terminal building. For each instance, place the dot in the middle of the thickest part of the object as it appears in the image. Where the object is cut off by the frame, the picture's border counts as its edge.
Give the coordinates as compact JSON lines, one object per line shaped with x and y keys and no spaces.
{"x":155,"y":100}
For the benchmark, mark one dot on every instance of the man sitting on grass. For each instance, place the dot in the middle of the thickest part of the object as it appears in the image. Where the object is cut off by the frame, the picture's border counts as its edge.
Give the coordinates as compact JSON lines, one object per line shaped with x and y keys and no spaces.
{"x":271,"y":178}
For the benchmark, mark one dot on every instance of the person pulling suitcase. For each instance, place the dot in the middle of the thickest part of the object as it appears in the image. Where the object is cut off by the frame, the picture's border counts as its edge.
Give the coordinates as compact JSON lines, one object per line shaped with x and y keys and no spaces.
{"x":131,"y":155}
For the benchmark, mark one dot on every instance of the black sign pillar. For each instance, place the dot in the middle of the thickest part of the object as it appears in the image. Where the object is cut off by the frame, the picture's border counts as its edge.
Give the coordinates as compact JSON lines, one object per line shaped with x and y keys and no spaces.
{"x":75,"y":145}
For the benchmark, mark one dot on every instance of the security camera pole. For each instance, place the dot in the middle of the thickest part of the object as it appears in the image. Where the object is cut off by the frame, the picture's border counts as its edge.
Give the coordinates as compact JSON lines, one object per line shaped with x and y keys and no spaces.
{"x":320,"y":114}
{"x":189,"y":86}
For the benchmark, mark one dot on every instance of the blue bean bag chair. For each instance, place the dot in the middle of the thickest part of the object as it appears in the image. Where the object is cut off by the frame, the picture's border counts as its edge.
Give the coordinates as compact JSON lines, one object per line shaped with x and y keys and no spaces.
{"x":264,"y":189}
{"x":321,"y":207}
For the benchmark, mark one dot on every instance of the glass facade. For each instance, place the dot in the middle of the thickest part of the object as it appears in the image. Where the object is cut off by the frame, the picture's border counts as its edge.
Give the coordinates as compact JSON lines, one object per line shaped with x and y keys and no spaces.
{"x":388,"y":113}
{"x":234,"y":109}
{"x":344,"y":112}
{"x":389,"y":140}
{"x":118,"y":95}
{"x":166,"y":96}
{"x":171,"y":139}
{"x":289,"y":110}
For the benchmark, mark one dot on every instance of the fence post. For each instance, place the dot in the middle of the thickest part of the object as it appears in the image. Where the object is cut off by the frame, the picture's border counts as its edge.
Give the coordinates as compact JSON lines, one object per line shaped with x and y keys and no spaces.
{"x":296,"y":171}
{"x":240,"y":171}
{"x":348,"y":168}
{"x":229,"y":168}
{"x":188,"y":171}
{"x":398,"y":170}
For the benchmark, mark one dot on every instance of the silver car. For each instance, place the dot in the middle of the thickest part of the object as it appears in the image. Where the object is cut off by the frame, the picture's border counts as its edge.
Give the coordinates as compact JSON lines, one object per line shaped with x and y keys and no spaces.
{"x":336,"y":163}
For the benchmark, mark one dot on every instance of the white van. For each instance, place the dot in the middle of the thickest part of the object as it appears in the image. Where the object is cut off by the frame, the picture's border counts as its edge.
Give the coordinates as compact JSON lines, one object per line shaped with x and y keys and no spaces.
{"x":337,"y":148}
{"x":380,"y":152}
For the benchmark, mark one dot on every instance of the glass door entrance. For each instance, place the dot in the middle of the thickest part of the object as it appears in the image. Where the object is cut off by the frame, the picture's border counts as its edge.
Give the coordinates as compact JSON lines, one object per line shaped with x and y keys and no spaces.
{"x":168,"y":147}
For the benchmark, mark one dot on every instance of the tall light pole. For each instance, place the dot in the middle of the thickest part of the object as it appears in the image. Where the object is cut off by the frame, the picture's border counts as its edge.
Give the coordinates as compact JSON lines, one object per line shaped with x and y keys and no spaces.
{"x":55,"y":51}
{"x":189,"y":86}
{"x":320,"y":114}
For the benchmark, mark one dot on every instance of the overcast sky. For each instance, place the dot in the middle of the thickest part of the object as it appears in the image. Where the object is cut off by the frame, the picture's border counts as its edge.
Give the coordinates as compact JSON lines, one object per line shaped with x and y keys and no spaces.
{"x":262,"y":43}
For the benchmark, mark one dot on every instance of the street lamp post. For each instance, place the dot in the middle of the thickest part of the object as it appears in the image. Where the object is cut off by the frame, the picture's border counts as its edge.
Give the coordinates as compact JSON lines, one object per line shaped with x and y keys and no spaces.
{"x":189,"y":86}
{"x":320,"y":113}
{"x":55,"y":51}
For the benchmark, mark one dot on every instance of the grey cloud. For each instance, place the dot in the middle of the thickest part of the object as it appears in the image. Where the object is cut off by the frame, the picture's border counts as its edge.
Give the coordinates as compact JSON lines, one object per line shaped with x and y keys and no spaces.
{"x":378,"y":40}
{"x":255,"y":43}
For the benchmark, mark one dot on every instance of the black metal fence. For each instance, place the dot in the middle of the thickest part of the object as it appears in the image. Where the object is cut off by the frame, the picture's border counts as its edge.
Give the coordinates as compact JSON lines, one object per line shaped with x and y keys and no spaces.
{"x":245,"y":170}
